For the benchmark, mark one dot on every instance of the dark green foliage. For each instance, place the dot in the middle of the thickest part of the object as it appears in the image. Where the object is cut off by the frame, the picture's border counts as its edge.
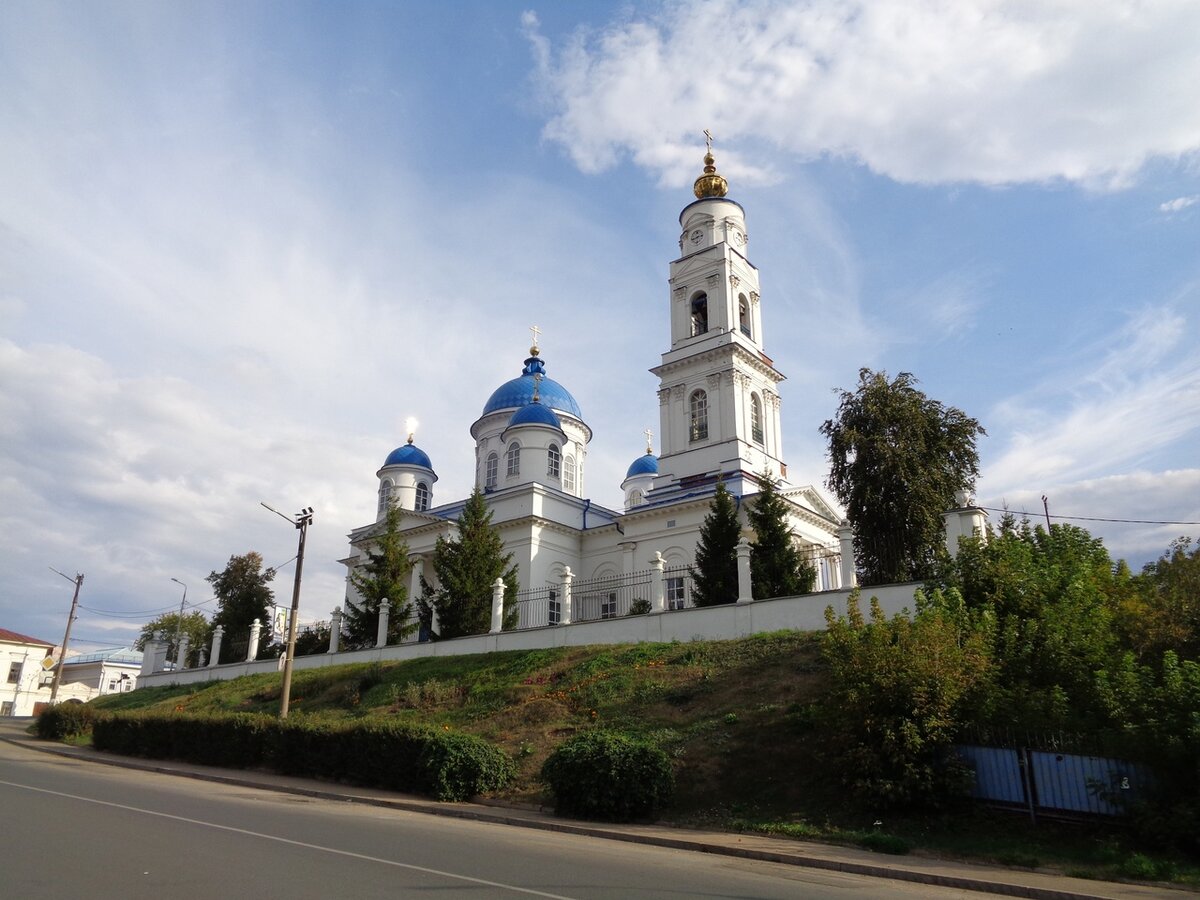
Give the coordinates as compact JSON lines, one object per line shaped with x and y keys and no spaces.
{"x":195,"y":626}
{"x":896,"y":460}
{"x":314,"y":639}
{"x":243,"y":595}
{"x":1163,"y":613}
{"x":882,"y":842}
{"x":715,"y":577}
{"x":776,"y":569}
{"x":65,"y":720}
{"x":605,"y":775}
{"x":900,"y":691}
{"x":639,"y":607}
{"x":442,"y":764}
{"x":384,"y":577}
{"x":466,"y":569}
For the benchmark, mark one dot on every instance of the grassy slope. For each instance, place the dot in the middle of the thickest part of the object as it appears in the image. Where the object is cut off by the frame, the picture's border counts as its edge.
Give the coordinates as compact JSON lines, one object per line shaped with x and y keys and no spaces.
{"x":735,"y":715}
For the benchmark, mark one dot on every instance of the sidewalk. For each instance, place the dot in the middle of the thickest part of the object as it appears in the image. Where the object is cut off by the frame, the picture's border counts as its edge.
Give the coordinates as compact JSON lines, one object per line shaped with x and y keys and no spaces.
{"x":921,"y":870}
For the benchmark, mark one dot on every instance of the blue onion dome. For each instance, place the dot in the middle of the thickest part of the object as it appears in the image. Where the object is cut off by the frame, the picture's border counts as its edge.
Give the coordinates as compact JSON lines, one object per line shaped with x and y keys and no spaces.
{"x":535,"y":414}
{"x":519,"y":392}
{"x":643,"y":465}
{"x":409,"y":455}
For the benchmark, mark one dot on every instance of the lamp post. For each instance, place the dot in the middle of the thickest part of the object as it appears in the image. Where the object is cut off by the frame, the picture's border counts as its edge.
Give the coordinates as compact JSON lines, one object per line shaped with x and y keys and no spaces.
{"x":301,"y":520}
{"x":62,"y":659}
{"x":179,"y":625}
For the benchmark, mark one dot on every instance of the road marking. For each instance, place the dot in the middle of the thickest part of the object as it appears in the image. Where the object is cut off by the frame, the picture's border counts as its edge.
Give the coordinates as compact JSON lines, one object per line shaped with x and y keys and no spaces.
{"x":283,"y":840}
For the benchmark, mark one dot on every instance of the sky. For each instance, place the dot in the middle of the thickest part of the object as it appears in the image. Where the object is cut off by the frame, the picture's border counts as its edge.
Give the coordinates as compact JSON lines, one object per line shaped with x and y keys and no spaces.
{"x":241,"y":243}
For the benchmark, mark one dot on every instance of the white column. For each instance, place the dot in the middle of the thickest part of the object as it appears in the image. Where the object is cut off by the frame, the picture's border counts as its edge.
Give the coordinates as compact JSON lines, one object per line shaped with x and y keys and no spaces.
{"x":255,"y":634}
{"x":215,"y":656}
{"x":846,"y":540}
{"x":627,"y":548}
{"x":335,"y":628}
{"x":384,"y":611}
{"x":149,"y":652}
{"x":745,"y":588}
{"x":497,"y":606}
{"x":565,"y":600}
{"x":657,"y":602}
{"x":182,"y":652}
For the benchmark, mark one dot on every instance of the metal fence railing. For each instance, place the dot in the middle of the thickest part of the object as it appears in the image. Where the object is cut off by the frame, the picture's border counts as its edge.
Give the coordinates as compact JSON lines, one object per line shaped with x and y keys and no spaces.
{"x":608,"y":597}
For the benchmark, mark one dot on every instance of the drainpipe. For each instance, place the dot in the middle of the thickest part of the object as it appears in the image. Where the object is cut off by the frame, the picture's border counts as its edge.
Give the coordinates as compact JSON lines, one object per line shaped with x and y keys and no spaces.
{"x":587,"y":504}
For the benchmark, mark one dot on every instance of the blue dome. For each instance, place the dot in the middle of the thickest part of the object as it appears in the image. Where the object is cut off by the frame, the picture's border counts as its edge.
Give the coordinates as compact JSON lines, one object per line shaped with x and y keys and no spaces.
{"x":643,"y":465}
{"x":535,"y":414}
{"x":519,"y":392}
{"x":408,"y":455}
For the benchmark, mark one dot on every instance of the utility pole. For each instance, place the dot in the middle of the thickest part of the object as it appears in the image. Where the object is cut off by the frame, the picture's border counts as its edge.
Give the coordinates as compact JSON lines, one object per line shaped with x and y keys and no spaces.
{"x":62,"y":659}
{"x":1046,"y":509}
{"x":179,"y":626}
{"x":302,"y":520}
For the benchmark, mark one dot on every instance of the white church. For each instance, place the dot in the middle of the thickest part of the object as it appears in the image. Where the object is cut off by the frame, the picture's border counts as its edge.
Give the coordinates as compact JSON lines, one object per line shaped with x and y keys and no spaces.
{"x":719,"y":420}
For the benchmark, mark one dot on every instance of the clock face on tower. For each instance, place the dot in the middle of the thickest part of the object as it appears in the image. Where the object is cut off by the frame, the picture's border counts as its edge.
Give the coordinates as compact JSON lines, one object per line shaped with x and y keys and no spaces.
{"x":739,"y":238}
{"x":696,"y":236}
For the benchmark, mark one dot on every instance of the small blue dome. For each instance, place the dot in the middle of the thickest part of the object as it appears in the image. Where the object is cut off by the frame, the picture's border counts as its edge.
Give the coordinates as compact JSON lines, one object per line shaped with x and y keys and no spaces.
{"x":409,"y":455}
{"x":535,"y":414}
{"x":643,"y":465}
{"x":519,"y":392}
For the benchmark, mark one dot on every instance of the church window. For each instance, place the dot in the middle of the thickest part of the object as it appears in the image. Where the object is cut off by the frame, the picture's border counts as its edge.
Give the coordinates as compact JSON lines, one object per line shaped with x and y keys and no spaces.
{"x":699,"y":314}
{"x":385,"y":496}
{"x":553,"y":461}
{"x":554,"y":616}
{"x":756,"y":425}
{"x":569,"y":474}
{"x":676,"y":592}
{"x":422,"y":496}
{"x":699,"y":416}
{"x":514,"y":459}
{"x":744,"y":315}
{"x":636,"y":497}
{"x":608,"y":606}
{"x":491,"y":469}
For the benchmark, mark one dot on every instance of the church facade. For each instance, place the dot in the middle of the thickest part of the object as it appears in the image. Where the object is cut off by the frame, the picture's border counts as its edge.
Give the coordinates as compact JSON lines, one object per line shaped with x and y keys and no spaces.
{"x":719,"y":420}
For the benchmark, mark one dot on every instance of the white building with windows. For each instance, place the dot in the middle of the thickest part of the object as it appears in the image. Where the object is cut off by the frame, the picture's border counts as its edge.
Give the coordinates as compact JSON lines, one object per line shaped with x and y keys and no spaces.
{"x":719,"y":408}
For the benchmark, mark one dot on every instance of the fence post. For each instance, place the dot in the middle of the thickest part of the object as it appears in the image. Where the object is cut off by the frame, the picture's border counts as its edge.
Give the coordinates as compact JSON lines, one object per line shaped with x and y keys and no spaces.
{"x":745,"y":588}
{"x":255,"y":633}
{"x":384,"y":611}
{"x":849,"y":573}
{"x":565,"y":603}
{"x":149,"y":653}
{"x":181,"y":653}
{"x":497,"y":606}
{"x":657,"y":601}
{"x":215,"y":656}
{"x":335,"y":628}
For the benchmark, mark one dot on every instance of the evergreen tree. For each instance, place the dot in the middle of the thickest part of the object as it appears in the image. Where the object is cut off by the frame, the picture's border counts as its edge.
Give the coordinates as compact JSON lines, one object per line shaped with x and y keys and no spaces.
{"x":243,"y":595}
{"x":776,"y":568}
{"x":466,"y":569}
{"x":384,"y":577}
{"x":715,"y":576}
{"x":897,"y":458}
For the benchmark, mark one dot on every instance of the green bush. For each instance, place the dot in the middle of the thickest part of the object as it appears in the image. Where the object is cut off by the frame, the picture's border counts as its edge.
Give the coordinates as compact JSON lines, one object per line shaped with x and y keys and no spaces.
{"x":65,"y":720}
{"x":442,"y":764}
{"x":605,"y":775}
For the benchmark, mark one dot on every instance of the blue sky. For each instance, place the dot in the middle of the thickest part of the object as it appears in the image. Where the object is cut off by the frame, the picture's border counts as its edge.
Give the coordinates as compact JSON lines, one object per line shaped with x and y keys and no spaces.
{"x":240,"y":243}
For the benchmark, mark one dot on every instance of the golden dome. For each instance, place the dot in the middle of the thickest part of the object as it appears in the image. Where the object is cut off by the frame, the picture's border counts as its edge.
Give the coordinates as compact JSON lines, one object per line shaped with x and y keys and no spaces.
{"x":710,"y":184}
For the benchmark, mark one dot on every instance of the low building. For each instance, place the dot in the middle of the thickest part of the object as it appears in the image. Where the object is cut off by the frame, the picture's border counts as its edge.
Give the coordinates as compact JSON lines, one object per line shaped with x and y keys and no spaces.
{"x":110,"y":671}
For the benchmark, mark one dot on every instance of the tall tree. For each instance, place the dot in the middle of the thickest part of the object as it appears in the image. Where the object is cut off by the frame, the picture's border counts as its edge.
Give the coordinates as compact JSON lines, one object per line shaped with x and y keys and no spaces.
{"x":465,"y":570}
{"x":896,"y":460}
{"x":243,"y":595}
{"x":776,"y":569}
{"x":1165,"y":612}
{"x":384,"y":577}
{"x":714,"y":577}
{"x":195,"y":626}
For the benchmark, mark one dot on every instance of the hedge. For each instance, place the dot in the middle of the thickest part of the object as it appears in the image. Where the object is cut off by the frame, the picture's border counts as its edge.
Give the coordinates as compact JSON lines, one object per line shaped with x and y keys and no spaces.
{"x":64,"y":720}
{"x":607,"y":775}
{"x":415,"y":759}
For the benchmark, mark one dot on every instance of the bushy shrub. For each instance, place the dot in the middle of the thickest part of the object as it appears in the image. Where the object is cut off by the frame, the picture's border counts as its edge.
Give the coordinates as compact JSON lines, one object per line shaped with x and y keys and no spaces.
{"x":65,"y":720}
{"x":605,"y":775}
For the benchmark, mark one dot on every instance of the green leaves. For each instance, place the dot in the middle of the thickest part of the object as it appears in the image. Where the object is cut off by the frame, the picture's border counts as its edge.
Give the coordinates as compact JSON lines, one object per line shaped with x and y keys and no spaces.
{"x":715,"y":577}
{"x":384,"y":577}
{"x":776,"y":569}
{"x":243,"y":594}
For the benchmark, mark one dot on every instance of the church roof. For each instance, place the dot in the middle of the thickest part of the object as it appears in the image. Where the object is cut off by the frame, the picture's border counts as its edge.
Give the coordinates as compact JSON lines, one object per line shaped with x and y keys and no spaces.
{"x":409,"y":455}
{"x":535,"y":414}
{"x":643,"y":465}
{"x":519,"y":391}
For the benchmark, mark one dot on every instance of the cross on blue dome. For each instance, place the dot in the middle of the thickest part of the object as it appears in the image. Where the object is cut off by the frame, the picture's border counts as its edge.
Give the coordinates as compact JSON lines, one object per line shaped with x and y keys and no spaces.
{"x":519,"y":392}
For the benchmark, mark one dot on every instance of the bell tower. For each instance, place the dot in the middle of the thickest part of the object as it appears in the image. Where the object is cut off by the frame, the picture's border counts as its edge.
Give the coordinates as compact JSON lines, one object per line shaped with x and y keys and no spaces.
{"x":718,"y":391}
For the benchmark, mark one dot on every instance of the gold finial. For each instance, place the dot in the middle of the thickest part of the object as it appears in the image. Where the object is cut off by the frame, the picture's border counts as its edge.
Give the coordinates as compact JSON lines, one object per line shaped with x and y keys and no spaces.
{"x":410,"y":425}
{"x":535,"y":331}
{"x":537,"y":385}
{"x":710,"y":184}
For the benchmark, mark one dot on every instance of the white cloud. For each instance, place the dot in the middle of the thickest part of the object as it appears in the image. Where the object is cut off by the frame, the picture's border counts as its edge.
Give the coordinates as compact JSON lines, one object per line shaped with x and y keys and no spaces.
{"x":1179,"y":204}
{"x":980,"y":90}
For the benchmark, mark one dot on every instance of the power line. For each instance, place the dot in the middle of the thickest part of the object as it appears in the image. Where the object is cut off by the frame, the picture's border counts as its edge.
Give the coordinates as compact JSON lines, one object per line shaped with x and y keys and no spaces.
{"x":137,"y":614}
{"x":1027,"y":514}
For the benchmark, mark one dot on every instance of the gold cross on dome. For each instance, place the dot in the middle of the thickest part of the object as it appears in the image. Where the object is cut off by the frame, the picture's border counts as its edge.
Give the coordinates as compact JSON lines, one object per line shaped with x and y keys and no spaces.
{"x":535,"y":331}
{"x":708,"y":139}
{"x":649,"y":446}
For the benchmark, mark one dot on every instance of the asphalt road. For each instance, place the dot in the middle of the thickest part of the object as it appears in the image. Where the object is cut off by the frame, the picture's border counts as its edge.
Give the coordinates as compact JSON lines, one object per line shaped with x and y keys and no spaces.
{"x":73,"y":828}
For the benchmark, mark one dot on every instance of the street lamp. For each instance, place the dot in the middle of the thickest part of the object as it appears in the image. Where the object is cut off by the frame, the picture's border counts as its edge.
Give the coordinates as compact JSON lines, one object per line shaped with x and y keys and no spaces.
{"x":179,"y":626}
{"x":78,"y":579}
{"x":301,"y":520}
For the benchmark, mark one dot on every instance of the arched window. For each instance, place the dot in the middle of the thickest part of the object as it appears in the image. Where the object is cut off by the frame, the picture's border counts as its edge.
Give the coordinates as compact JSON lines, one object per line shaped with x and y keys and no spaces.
{"x":569,"y":474}
{"x":636,"y":497}
{"x":744,"y":315}
{"x":553,"y":461}
{"x":422,"y":496}
{"x":756,"y":426}
{"x":514,"y":459}
{"x":491,"y":470}
{"x":699,"y":416}
{"x":699,"y":314}
{"x":385,"y":496}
